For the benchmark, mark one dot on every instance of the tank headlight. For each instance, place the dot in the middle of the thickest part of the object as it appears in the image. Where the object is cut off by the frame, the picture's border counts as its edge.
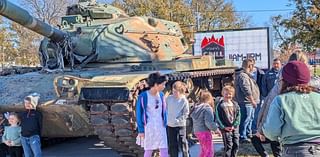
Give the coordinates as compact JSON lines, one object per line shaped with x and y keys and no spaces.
{"x":65,"y":82}
{"x":72,"y":82}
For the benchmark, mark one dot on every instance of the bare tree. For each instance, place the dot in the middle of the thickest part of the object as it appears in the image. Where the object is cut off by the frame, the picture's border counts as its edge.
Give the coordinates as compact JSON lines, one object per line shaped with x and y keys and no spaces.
{"x":48,"y":11}
{"x":26,"y":41}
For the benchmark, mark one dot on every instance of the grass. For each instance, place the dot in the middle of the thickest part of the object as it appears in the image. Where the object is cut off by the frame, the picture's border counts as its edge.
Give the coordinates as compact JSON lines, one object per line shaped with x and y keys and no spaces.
{"x":317,"y":72}
{"x":247,"y":150}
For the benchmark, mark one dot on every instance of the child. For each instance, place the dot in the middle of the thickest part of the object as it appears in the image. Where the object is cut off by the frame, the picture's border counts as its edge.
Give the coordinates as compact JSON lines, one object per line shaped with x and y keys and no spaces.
{"x":31,"y":125}
{"x":203,"y":123}
{"x":178,"y":111}
{"x":228,"y":118}
{"x":12,"y":136}
{"x":151,"y":117}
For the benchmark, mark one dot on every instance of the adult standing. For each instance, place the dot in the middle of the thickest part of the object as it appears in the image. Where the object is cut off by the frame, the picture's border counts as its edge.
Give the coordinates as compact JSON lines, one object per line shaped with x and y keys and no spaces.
{"x":270,"y":77}
{"x":297,"y":55}
{"x":152,"y":116}
{"x":293,"y":115}
{"x":247,"y":96}
{"x":257,"y":140}
{"x":258,"y":75}
{"x":259,"y":137}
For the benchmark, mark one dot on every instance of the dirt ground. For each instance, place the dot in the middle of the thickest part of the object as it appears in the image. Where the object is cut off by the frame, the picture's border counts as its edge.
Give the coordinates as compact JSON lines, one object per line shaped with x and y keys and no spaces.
{"x":247,"y":150}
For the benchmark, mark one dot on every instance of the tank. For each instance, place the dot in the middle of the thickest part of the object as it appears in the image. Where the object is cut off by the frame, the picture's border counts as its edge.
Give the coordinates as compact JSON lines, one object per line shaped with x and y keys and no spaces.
{"x":104,"y":57}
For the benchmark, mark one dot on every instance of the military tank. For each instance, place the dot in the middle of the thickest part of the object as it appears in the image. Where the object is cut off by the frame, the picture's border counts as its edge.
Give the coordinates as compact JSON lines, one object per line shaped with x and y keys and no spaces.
{"x":104,"y":57}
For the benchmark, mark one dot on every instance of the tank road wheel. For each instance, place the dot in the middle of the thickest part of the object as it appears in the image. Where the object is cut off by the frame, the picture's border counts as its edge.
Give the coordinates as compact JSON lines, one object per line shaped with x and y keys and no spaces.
{"x":115,"y":124}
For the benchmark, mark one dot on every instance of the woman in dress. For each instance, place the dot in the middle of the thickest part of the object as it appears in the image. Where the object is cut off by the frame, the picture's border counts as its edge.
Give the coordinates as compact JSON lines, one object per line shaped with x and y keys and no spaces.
{"x":152,"y":116}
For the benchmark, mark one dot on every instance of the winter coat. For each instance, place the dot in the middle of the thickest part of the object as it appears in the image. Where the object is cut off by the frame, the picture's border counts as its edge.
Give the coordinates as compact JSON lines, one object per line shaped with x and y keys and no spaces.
{"x":203,"y":118}
{"x":246,"y":86}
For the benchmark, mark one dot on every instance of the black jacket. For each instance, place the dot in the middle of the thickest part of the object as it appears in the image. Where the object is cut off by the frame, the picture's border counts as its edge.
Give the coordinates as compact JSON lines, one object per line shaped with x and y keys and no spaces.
{"x":227,"y":116}
{"x":260,"y":75}
{"x":31,"y":123}
{"x":269,"y":80}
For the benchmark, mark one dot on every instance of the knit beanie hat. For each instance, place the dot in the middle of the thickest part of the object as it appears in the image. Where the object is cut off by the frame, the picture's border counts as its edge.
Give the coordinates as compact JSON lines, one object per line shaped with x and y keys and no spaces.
{"x":296,"y":72}
{"x":34,"y":99}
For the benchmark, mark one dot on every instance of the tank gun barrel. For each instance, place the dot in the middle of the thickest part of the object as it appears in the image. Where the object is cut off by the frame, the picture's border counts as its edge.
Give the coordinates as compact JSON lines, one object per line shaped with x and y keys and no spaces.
{"x":21,"y":16}
{"x":91,"y":1}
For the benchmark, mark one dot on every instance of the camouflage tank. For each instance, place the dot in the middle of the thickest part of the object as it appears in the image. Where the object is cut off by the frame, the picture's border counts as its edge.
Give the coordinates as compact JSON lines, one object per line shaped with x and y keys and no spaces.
{"x":108,"y":56}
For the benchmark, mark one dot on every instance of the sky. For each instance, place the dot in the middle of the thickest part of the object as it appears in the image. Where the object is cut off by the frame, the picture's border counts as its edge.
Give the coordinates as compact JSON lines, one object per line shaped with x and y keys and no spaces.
{"x":259,"y":15}
{"x":259,"y":10}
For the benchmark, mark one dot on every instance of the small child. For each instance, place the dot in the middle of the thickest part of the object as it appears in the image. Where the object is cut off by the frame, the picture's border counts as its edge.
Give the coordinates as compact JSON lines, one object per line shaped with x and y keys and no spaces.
{"x":31,"y":125}
{"x":12,"y":136}
{"x":203,"y":122}
{"x":178,"y":111}
{"x":228,"y":118}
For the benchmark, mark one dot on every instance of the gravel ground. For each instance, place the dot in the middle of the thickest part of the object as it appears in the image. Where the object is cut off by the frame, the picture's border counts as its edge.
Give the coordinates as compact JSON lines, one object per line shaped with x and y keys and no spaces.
{"x":14,"y":88}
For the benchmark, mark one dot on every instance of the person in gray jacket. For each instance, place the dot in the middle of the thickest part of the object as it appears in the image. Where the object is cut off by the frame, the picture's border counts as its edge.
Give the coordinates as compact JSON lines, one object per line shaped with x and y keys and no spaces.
{"x":247,"y":96}
{"x":203,"y":123}
{"x":178,"y":111}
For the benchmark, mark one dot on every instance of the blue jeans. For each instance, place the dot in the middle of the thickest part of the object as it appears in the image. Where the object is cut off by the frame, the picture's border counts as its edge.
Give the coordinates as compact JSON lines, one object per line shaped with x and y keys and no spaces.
{"x":31,"y":146}
{"x":247,"y":115}
{"x":255,"y":118}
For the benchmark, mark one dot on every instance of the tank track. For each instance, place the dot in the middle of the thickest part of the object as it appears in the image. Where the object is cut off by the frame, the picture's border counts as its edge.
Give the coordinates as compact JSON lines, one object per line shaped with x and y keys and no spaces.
{"x":115,"y":124}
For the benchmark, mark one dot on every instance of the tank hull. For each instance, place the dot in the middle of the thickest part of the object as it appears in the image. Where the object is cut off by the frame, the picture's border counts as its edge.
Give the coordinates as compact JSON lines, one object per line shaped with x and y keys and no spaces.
{"x":60,"y":121}
{"x":101,"y":101}
{"x":110,"y":99}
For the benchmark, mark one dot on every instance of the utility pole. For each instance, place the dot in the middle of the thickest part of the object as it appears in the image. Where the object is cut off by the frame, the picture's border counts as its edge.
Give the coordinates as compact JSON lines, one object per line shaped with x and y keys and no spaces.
{"x":3,"y":54}
{"x":198,"y":17}
{"x":170,"y":10}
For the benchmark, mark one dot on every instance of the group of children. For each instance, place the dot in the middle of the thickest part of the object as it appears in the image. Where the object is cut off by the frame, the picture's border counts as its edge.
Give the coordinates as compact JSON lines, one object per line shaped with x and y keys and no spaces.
{"x":222,"y":117}
{"x":22,"y":135}
{"x":162,"y":121}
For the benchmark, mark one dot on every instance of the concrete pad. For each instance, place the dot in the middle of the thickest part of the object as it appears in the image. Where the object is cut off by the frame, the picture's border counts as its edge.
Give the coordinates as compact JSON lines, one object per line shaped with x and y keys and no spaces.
{"x":195,"y":149}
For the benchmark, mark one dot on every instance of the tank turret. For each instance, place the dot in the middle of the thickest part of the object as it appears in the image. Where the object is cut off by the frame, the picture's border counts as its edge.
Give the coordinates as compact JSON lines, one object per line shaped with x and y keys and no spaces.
{"x":100,"y":33}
